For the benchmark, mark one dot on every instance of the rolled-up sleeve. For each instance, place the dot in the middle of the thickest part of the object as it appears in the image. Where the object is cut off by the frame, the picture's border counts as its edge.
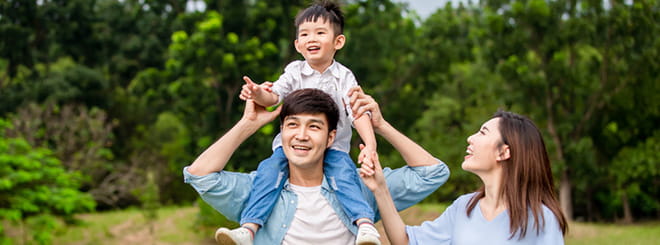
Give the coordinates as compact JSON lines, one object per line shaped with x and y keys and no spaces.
{"x":410,"y":185}
{"x":224,"y":191}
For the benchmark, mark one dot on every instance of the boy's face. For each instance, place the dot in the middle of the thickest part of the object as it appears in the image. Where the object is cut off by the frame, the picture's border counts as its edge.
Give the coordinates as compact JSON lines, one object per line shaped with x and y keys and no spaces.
{"x":317,"y":42}
{"x":305,"y":137}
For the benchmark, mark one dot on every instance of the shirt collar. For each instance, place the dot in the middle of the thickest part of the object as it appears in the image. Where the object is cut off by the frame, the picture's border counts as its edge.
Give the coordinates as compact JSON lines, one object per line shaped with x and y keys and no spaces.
{"x":333,"y":69}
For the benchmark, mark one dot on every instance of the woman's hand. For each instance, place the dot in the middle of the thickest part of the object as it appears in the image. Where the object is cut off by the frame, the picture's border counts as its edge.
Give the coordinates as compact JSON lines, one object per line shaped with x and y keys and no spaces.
{"x":372,"y":173}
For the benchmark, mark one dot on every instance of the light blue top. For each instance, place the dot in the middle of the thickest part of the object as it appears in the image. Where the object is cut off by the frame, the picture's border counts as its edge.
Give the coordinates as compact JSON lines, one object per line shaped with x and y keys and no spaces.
{"x":227,"y":192}
{"x":455,"y":227}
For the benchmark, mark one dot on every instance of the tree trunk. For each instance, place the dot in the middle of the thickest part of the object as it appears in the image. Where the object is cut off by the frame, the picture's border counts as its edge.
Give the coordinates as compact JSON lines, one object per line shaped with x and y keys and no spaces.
{"x":627,"y":214}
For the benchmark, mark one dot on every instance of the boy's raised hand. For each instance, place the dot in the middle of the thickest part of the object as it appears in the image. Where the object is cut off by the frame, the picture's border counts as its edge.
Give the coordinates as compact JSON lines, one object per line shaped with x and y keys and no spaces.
{"x":251,"y":90}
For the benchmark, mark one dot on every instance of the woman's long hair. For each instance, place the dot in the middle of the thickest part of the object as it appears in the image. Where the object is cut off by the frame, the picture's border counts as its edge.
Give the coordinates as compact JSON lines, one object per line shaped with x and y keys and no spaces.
{"x":527,"y":182}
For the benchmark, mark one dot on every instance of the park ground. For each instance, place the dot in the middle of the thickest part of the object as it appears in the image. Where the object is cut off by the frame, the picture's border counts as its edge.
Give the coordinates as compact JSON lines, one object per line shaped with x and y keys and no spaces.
{"x":176,"y":225}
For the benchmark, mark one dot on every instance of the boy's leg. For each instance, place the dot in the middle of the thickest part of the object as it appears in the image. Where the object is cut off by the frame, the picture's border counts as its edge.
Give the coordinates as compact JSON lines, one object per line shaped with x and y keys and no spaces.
{"x":343,"y":178}
{"x":266,"y":186}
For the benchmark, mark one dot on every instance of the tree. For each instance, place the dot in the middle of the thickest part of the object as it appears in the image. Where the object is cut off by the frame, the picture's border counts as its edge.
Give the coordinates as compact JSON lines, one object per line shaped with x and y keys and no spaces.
{"x":36,"y":188}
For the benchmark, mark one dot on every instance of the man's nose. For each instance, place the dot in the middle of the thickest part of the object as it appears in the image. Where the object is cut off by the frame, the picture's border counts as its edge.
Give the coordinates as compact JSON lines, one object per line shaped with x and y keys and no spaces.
{"x":301,"y":134}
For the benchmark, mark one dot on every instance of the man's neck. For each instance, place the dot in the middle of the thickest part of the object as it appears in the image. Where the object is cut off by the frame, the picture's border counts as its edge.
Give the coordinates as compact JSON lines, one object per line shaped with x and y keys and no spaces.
{"x":306,"y":177}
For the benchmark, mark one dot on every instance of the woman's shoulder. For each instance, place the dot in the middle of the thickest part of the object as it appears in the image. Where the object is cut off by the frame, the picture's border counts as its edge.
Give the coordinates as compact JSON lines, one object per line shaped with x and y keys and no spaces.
{"x":464,"y":199}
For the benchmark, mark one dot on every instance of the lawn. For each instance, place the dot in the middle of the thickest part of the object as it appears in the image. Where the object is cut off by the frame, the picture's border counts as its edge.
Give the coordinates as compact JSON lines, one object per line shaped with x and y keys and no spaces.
{"x":175,"y":225}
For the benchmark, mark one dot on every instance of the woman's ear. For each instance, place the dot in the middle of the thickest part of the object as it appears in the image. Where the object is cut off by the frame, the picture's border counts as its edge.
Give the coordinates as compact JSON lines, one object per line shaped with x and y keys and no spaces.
{"x":504,"y":154}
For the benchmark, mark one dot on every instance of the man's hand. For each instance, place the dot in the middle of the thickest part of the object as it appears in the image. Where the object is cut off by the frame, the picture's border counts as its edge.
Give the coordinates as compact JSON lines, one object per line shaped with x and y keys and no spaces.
{"x":251,"y":90}
{"x":257,"y":115}
{"x":362,"y":103}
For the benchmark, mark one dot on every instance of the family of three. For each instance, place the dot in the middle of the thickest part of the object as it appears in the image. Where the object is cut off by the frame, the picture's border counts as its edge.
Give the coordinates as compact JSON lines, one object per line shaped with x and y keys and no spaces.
{"x":310,"y":192}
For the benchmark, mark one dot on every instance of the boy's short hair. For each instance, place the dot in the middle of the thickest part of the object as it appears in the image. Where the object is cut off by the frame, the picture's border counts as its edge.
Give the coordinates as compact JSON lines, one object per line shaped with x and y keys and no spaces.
{"x":310,"y":101}
{"x":328,"y":10}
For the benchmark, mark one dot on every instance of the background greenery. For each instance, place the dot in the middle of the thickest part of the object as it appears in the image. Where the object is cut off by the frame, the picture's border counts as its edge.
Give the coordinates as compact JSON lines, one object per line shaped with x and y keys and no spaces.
{"x":103,"y":102}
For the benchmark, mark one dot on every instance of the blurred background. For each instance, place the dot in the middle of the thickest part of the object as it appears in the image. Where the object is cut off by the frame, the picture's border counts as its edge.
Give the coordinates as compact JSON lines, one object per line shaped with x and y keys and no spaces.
{"x":103,"y":102}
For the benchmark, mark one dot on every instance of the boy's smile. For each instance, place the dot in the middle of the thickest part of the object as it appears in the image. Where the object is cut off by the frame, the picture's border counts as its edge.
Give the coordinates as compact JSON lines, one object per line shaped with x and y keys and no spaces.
{"x":317,"y":42}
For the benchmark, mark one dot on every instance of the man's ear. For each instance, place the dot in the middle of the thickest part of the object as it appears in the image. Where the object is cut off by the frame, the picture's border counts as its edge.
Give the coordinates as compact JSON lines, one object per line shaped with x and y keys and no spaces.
{"x":504,"y":153}
{"x":331,"y":137}
{"x":340,"y":40}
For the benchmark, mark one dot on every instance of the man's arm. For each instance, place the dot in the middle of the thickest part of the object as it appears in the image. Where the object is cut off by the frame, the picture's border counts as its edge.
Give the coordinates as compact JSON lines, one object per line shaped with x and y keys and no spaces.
{"x":216,"y":156}
{"x":412,"y":153}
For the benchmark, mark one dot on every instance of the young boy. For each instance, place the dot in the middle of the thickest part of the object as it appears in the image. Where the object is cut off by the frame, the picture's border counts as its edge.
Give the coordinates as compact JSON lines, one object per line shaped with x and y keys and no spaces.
{"x":319,"y":36}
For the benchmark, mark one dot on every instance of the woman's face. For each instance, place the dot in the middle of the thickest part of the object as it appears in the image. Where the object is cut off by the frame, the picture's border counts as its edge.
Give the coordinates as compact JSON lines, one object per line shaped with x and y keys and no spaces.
{"x":484,"y":148}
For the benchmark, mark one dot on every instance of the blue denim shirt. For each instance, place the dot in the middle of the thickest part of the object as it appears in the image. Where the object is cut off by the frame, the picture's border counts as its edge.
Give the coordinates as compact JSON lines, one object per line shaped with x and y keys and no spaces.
{"x":228,"y":192}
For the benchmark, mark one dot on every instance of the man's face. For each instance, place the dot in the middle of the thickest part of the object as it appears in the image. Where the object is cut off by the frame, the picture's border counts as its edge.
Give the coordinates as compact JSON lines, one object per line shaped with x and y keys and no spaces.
{"x":316,"y":41}
{"x":305,"y":138}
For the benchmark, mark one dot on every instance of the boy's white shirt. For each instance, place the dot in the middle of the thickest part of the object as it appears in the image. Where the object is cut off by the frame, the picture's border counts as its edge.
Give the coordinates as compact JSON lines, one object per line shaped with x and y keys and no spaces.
{"x":336,"y":80}
{"x":315,"y":221}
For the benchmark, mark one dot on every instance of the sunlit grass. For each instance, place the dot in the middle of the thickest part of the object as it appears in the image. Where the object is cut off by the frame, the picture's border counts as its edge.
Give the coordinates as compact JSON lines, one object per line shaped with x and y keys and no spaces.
{"x":175,"y":225}
{"x":593,"y":233}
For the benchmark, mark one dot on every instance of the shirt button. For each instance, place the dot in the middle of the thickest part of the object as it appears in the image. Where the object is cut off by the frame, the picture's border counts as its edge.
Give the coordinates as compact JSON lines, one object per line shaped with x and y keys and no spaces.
{"x":292,"y":201}
{"x":283,"y":226}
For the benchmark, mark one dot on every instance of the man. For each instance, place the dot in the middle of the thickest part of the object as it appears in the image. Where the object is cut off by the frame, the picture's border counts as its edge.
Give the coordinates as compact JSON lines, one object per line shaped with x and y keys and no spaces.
{"x":307,"y":210}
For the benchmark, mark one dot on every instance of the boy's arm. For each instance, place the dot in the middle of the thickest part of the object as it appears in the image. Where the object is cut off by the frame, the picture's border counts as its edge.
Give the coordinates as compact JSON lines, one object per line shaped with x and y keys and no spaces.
{"x":261,"y":94}
{"x":412,"y":153}
{"x":363,"y":127}
{"x":217,"y":155}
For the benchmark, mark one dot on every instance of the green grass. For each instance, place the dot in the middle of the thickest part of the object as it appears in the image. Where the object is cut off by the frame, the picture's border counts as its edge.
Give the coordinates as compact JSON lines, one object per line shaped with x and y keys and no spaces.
{"x":176,"y":225}
{"x":592,"y":233}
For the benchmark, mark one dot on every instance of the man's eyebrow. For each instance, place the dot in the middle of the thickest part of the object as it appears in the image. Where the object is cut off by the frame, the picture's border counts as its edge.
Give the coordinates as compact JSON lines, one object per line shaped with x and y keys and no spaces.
{"x":485,"y":128}
{"x":318,"y":121}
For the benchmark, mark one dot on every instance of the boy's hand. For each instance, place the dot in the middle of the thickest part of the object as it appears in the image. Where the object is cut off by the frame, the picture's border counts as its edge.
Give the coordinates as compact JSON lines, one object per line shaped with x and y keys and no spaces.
{"x":252,"y":90}
{"x":372,"y":173}
{"x":366,"y":152}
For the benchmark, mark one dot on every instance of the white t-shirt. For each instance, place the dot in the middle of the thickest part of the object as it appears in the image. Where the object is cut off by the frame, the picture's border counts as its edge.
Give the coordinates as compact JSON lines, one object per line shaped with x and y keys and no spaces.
{"x":336,"y":80}
{"x":315,"y":222}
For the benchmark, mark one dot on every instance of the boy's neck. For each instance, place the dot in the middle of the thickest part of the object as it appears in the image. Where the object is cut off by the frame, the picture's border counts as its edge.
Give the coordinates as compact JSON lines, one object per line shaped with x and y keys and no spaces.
{"x":322,"y":66}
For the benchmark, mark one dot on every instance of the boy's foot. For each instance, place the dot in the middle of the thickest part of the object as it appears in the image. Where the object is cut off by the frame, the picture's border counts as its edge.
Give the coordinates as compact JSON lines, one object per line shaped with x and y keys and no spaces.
{"x":367,"y":235}
{"x":238,"y":236}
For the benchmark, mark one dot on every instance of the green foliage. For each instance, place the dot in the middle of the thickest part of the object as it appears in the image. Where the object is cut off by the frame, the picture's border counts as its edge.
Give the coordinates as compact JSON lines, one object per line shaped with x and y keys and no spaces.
{"x":119,"y":89}
{"x":35,"y":187}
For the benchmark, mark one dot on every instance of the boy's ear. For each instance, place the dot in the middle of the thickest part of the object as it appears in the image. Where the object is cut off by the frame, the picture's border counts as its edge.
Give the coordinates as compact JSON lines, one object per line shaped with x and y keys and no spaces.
{"x":340,"y":40}
{"x":295,"y":44}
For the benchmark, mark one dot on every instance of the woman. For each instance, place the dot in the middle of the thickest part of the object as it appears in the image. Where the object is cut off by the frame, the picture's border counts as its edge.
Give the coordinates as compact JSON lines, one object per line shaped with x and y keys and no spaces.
{"x":515,"y":205}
